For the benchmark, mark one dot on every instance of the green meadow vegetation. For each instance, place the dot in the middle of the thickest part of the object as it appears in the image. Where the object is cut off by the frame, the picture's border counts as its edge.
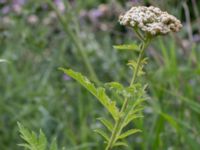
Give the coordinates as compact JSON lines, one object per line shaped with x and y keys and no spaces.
{"x":42,"y":108}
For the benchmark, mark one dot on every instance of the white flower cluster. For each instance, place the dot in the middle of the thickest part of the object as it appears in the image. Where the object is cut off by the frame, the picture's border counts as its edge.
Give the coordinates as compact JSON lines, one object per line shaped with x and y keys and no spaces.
{"x":151,"y":20}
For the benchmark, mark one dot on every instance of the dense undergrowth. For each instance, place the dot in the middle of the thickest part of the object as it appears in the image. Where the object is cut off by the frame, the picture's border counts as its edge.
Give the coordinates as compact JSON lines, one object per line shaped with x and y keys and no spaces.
{"x":35,"y":93}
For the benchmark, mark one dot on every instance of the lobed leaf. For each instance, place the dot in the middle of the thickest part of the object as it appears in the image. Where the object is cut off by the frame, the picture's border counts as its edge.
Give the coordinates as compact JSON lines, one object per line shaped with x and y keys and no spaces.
{"x":53,"y":145}
{"x":126,"y":92}
{"x":130,"y":118}
{"x":120,"y":144}
{"x":134,"y":112}
{"x":99,"y":93}
{"x":33,"y":142}
{"x":132,"y":47}
{"x":137,"y":103}
{"x":42,"y":141}
{"x":128,"y":133}
{"x":102,"y":133}
{"x":133,"y":65}
{"x":115,"y":85}
{"x":107,"y":124}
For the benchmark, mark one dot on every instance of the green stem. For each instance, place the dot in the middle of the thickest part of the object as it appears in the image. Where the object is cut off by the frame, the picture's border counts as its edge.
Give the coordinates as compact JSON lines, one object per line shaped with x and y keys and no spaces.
{"x":76,"y":42}
{"x":113,"y":136}
{"x":118,"y":124}
{"x":138,"y":63}
{"x":139,"y":35}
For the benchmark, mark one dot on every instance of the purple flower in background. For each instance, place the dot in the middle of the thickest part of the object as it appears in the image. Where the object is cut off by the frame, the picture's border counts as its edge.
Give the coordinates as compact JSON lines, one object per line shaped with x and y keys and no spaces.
{"x":19,"y":2}
{"x":60,"y":5}
{"x":2,"y":1}
{"x":17,"y":5}
{"x":5,"y":10}
{"x":14,"y":5}
{"x":95,"y":14}
{"x":66,"y":78}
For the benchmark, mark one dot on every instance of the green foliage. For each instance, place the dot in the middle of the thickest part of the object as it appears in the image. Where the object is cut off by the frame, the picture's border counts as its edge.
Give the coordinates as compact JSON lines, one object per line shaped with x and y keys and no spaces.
{"x":103,"y":134}
{"x":120,"y":144}
{"x":128,"y":133}
{"x":131,"y":47}
{"x":99,"y":92}
{"x":34,"y":141}
{"x":126,"y":92}
{"x":133,"y":65}
{"x":107,"y":124}
{"x":121,"y":118}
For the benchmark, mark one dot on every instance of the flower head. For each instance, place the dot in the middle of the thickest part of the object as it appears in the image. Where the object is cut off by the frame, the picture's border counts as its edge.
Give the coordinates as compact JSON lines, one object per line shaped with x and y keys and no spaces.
{"x":151,"y":20}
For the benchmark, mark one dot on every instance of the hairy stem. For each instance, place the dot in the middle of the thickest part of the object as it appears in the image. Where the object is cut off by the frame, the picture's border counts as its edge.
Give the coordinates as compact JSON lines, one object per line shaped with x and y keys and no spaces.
{"x":76,"y":41}
{"x":119,"y":123}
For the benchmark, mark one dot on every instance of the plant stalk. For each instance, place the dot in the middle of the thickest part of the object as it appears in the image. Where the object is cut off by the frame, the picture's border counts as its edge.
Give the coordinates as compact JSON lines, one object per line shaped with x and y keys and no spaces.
{"x":144,"y":45}
{"x":118,"y":124}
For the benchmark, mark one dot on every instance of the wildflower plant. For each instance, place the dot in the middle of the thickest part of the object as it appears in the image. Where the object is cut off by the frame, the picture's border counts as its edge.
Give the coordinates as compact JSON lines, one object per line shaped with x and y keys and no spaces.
{"x":34,"y":141}
{"x":147,"y":23}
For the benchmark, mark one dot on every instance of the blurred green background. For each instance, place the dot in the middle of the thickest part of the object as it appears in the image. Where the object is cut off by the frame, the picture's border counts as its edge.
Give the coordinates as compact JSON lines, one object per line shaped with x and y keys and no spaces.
{"x":36,"y":41}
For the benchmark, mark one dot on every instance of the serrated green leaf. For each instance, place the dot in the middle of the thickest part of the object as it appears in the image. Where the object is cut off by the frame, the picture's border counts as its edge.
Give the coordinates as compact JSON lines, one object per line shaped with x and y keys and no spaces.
{"x":137,"y":110}
{"x":144,"y":61}
{"x":120,"y":144}
{"x":99,"y":93}
{"x":126,"y":92}
{"x":118,"y":89}
{"x":115,"y":85}
{"x":42,"y":141}
{"x":133,"y":65}
{"x":102,"y":133}
{"x":132,"y":47}
{"x":130,"y":118}
{"x":53,"y":145}
{"x":128,"y":133}
{"x":106,"y":123}
{"x":29,"y":137}
{"x":137,"y":103}
{"x":32,"y":141}
{"x":133,"y":112}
